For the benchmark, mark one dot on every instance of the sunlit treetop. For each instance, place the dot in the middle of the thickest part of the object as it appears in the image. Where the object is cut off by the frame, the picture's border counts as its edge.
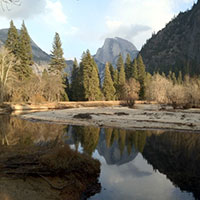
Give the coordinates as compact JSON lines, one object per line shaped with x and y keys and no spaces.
{"x":6,"y":4}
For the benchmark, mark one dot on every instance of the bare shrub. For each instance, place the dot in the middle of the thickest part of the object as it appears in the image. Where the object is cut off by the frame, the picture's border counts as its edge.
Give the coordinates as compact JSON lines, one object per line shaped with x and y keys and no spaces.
{"x":131,"y":92}
{"x":177,"y":96}
{"x":158,"y":88}
{"x":192,"y":89}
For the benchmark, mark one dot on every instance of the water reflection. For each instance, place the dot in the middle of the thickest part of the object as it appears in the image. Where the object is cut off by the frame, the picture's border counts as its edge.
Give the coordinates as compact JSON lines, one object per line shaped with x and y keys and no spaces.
{"x":14,"y":131}
{"x":135,"y":164}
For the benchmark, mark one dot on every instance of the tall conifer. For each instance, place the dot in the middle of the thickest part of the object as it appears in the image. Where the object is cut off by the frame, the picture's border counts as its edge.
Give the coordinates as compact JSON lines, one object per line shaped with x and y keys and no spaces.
{"x":134,"y":70}
{"x":58,"y":62}
{"x":90,"y":78}
{"x":128,"y":66}
{"x":141,"y":76}
{"x":121,"y":77}
{"x":12,"y":42}
{"x":25,"y":53}
{"x":75,"y":82}
{"x":108,"y":87}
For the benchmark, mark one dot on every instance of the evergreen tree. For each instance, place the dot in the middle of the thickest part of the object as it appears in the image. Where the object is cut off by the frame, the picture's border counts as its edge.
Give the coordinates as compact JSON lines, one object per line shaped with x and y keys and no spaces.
{"x":112,"y":71}
{"x":65,"y":95}
{"x":121,"y":77}
{"x":141,"y":76}
{"x":128,"y":67}
{"x":108,"y":87}
{"x":134,"y":70}
{"x":12,"y":42}
{"x":75,"y":82}
{"x":114,"y":75}
{"x":90,"y":79}
{"x":120,"y":62}
{"x":58,"y":62}
{"x":25,"y":54}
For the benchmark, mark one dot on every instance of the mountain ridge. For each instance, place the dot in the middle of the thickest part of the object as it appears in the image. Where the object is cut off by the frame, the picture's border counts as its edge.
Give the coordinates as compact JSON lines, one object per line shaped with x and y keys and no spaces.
{"x":175,"y":47}
{"x":110,"y":51}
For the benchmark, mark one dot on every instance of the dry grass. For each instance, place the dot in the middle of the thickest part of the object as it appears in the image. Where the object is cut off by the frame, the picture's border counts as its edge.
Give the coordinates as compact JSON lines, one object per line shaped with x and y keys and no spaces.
{"x":60,"y":167}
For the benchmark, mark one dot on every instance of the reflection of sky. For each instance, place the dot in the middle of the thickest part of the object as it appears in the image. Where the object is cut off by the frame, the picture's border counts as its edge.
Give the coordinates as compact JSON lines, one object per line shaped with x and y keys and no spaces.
{"x":135,"y":180}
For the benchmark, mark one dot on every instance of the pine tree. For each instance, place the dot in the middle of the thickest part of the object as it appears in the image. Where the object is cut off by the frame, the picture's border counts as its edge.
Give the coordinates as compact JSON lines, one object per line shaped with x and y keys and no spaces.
{"x":134,"y":70}
{"x":120,"y":62}
{"x":108,"y":87}
{"x":141,"y":76}
{"x":12,"y":42}
{"x":128,"y":67}
{"x":121,"y":77}
{"x":25,"y":54}
{"x":90,"y":79}
{"x":58,"y":63}
{"x":75,"y":82}
{"x":112,"y":71}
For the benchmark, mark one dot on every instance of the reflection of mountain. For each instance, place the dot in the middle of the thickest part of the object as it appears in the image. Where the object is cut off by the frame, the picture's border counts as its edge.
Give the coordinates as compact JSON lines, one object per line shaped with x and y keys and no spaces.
{"x":177,"y":155}
{"x":117,"y":146}
{"x":112,"y":154}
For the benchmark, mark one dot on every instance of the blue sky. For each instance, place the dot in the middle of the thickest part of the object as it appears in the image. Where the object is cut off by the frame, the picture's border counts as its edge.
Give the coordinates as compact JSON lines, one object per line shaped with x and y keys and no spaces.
{"x":84,"y":24}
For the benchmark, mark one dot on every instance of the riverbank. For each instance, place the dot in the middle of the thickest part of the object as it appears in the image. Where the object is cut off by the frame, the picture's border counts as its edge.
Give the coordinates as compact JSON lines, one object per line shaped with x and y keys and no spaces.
{"x":144,"y":116}
{"x":48,"y":172}
{"x":57,"y":105}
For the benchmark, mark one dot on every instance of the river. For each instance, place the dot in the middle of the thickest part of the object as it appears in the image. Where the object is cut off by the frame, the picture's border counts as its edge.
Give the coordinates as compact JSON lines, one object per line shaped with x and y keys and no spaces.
{"x":139,"y":165}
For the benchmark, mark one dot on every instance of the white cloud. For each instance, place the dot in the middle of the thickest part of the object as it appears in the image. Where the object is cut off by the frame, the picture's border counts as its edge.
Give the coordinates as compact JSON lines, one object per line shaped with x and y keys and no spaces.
{"x":24,"y":10}
{"x":54,"y":13}
{"x":135,"y":20}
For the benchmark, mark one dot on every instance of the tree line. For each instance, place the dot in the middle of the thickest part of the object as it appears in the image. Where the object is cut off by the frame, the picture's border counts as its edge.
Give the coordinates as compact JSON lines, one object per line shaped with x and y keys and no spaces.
{"x":19,"y":83}
{"x":128,"y":81}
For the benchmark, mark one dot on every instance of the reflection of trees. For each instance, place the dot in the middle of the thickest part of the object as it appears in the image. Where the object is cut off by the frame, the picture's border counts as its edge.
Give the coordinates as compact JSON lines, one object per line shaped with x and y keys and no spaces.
{"x":108,"y":133}
{"x":15,"y":131}
{"x":4,"y":128}
{"x":178,"y":156}
{"x":88,"y":136}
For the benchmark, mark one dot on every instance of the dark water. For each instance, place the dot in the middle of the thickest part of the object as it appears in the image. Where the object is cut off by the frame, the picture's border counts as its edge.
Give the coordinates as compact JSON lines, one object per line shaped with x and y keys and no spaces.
{"x":139,"y":165}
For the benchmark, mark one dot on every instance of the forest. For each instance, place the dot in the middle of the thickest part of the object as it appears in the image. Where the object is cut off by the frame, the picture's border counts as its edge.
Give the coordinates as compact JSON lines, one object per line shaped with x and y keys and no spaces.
{"x":129,"y":81}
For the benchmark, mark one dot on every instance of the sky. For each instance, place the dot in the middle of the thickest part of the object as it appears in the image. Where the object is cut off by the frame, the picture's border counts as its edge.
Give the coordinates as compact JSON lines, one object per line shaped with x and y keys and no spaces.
{"x":84,"y":24}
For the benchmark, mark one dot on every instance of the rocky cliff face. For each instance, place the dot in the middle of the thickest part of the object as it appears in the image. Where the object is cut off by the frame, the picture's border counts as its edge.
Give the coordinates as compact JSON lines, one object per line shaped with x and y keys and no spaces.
{"x":177,"y":46}
{"x":110,"y":51}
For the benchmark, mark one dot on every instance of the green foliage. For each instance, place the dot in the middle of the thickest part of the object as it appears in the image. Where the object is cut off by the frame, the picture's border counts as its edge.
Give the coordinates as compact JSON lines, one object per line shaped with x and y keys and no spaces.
{"x":141,"y":76}
{"x":90,"y":83}
{"x":134,"y":70}
{"x":58,"y":62}
{"x":120,"y":62}
{"x":75,"y":82}
{"x":121,"y":77}
{"x":88,"y":136}
{"x":12,"y":42}
{"x":128,"y":67}
{"x":114,"y":75}
{"x":108,"y":87}
{"x":25,"y":54}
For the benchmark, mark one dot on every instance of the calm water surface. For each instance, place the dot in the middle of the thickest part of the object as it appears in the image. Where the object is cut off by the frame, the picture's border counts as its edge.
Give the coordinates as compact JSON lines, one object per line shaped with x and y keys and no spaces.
{"x":139,"y":165}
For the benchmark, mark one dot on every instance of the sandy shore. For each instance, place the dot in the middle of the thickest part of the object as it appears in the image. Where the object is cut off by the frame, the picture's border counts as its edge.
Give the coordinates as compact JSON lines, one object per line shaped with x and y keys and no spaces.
{"x":142,"y":117}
